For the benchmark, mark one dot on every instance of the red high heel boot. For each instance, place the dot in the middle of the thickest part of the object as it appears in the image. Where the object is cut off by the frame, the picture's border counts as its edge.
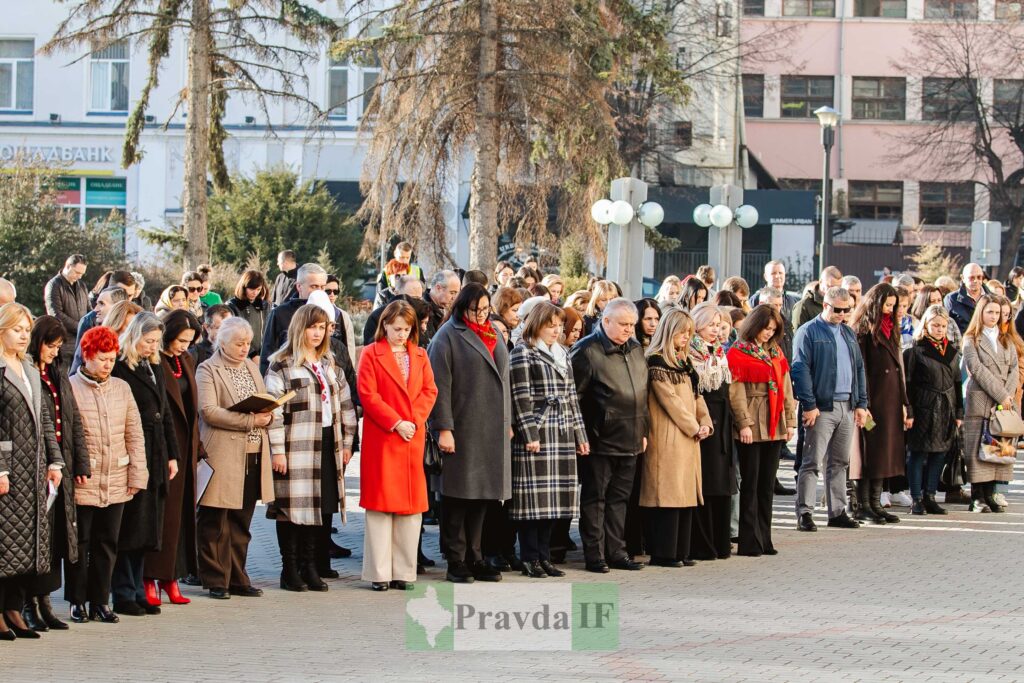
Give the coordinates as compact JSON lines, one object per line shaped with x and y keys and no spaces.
{"x":173,"y":593}
{"x":152,"y":594}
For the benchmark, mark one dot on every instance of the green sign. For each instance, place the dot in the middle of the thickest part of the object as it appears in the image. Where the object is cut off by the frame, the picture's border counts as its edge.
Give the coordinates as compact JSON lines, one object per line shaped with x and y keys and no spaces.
{"x":106,"y":191}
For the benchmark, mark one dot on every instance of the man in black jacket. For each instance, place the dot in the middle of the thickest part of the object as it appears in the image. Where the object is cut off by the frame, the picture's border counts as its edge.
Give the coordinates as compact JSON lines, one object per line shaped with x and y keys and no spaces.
{"x":407,"y":287}
{"x":212,"y":319}
{"x":444,"y":287}
{"x":611,"y":380}
{"x":284,"y":284}
{"x":67,"y":299}
{"x":309,"y":278}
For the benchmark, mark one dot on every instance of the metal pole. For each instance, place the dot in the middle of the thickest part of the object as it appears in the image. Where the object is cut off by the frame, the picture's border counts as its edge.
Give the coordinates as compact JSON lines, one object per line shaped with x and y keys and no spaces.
{"x":827,"y":138}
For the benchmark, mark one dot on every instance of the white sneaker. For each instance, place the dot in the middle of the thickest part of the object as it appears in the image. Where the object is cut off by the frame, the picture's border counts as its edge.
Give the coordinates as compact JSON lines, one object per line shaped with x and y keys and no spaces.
{"x":902,"y":499}
{"x":977,"y":506}
{"x":885,"y":500}
{"x":999,"y":498}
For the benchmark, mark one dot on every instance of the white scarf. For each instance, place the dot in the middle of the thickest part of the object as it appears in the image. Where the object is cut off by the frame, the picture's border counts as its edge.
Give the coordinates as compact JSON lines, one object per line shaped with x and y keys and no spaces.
{"x":710,"y":364}
{"x":557,"y":353}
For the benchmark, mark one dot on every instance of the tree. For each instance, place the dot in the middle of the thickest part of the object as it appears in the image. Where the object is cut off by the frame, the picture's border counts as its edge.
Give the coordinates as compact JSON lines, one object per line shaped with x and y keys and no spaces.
{"x":931,"y":261}
{"x":274,"y":210}
{"x":974,"y":114}
{"x":256,"y":47}
{"x":37,"y":234}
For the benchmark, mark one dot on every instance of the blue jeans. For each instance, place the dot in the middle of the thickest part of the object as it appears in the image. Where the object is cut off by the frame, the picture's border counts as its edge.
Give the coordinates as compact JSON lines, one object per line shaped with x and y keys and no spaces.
{"x":923,"y":469}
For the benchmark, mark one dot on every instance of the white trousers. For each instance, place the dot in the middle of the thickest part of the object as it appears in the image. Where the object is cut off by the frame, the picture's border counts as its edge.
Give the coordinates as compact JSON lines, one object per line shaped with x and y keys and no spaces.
{"x":389,"y":546}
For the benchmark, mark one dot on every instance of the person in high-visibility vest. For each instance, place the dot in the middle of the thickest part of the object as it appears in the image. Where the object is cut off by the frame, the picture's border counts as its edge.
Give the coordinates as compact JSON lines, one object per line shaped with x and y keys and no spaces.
{"x":401,"y":264}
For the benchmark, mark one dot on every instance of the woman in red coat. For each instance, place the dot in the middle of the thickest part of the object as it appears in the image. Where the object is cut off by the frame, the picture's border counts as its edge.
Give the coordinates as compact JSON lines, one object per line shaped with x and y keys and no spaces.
{"x":397,"y":390}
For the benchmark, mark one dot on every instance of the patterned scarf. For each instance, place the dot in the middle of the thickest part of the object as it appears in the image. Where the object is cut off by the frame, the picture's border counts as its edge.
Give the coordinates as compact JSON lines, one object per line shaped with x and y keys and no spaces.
{"x":751,"y":363}
{"x":710,"y":364}
{"x":486,"y":333}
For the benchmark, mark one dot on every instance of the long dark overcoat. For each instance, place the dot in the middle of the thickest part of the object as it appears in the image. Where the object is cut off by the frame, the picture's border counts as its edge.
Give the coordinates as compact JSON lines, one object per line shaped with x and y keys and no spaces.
{"x":473,"y":401}
{"x":718,"y":473}
{"x":933,"y":386}
{"x":884,"y":452}
{"x":545,"y":409}
{"x":27,"y":448}
{"x":143,"y":520}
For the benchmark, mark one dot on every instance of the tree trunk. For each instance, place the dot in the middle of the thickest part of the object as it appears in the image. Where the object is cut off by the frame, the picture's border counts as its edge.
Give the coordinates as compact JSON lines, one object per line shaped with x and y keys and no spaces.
{"x":197,"y":137}
{"x":483,"y":208}
{"x":1011,"y":245}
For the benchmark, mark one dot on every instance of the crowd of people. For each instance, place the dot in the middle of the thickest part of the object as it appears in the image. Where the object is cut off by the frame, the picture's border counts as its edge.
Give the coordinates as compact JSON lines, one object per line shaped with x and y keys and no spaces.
{"x":137,"y":440}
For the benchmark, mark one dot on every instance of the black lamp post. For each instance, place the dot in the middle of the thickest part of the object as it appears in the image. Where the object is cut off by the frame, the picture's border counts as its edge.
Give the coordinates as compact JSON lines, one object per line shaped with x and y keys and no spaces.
{"x":828,"y":117}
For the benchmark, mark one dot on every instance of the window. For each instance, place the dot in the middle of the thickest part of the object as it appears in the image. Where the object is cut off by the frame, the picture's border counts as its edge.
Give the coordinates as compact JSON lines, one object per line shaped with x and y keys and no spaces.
{"x":808,"y":8}
{"x":753,"y":95}
{"x":369,"y":84}
{"x":950,"y":9}
{"x":108,"y":71}
{"x":947,"y":99}
{"x":1008,"y":101}
{"x":1008,"y":10}
{"x":947,"y":203}
{"x":682,"y":134}
{"x":811,"y":184}
{"x":337,"y":87}
{"x":753,"y":8}
{"x":16,"y":75}
{"x":880,"y":8}
{"x":869,"y":199}
{"x":801,"y":95}
{"x":880,"y":98}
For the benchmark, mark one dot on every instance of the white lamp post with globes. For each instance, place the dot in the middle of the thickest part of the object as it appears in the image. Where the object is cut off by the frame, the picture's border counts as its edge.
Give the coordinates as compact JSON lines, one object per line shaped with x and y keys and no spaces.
{"x":627,"y":214}
{"x":729,"y":214}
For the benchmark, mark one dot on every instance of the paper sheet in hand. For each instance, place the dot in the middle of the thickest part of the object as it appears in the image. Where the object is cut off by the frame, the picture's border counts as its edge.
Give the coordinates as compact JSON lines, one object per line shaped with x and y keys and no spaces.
{"x":203,"y":475}
{"x":51,"y":495}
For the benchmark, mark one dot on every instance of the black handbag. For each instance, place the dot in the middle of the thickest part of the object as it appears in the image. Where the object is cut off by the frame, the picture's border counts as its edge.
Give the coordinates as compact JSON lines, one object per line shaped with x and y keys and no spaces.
{"x":954,"y":471}
{"x":432,"y":463}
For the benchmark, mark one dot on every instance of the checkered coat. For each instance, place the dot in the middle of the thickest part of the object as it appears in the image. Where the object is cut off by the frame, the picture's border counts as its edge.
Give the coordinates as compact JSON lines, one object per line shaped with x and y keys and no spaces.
{"x":545,"y":409}
{"x":297,"y":432}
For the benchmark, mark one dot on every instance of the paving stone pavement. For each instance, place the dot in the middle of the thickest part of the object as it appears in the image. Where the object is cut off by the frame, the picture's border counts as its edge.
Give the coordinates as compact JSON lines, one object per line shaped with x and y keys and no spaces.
{"x":929,"y":599}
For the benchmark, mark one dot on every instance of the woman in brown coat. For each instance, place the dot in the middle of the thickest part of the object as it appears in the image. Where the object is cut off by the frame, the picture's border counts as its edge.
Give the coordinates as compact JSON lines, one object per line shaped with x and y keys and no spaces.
{"x":238,"y":451}
{"x":670,"y":482}
{"x":181,"y":329}
{"x":884,"y":453}
{"x":764,"y":412}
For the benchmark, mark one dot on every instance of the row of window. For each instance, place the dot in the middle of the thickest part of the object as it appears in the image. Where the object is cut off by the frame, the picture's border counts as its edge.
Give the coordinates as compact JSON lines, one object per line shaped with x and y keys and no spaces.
{"x":885,"y":99}
{"x":940,"y":203}
{"x":109,"y":70}
{"x":1006,"y":10}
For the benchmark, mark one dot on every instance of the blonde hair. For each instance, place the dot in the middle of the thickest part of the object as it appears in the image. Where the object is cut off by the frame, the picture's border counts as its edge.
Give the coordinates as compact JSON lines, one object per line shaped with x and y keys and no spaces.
{"x":10,"y":315}
{"x":975,"y":328}
{"x":933,"y":311}
{"x":601,"y":288}
{"x":553,"y":279}
{"x":673,"y":321}
{"x":142,"y":324}
{"x":117,"y":318}
{"x":294,"y":347}
{"x":573,"y":298}
{"x":703,"y":313}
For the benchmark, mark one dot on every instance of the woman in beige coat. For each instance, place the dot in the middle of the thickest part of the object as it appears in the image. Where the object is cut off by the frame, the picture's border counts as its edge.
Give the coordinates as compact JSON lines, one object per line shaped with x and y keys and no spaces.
{"x":239,"y":454}
{"x":670,"y":486}
{"x":117,"y":462}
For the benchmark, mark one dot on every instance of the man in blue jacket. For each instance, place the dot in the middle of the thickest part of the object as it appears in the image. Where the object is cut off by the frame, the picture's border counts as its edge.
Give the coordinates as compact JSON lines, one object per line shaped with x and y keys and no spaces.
{"x":962,"y":302}
{"x":828,"y":380}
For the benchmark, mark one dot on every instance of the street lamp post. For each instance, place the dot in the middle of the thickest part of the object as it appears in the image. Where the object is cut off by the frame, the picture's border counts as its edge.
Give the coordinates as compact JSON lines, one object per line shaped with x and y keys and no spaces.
{"x":627,"y":214}
{"x":828,"y":118}
{"x":730,"y":215}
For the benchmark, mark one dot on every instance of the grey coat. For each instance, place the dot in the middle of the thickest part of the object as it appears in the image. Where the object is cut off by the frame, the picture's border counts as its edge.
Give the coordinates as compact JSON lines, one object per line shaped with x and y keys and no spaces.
{"x":992,"y":375}
{"x":27,"y":448}
{"x":474,"y":402}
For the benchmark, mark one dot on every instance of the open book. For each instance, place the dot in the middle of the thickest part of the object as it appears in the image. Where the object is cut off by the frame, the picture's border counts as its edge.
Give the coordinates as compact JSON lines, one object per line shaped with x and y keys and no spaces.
{"x":262,"y":403}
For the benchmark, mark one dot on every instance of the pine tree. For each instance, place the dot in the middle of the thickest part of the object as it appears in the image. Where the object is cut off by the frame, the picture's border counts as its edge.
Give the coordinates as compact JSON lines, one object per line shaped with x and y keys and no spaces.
{"x":932,"y":261}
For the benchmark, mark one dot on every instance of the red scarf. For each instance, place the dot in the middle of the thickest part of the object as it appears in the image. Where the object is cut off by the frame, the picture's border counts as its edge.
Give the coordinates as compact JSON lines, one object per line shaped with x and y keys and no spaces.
{"x":886,"y":326}
{"x":486,"y":333}
{"x":748,"y":362}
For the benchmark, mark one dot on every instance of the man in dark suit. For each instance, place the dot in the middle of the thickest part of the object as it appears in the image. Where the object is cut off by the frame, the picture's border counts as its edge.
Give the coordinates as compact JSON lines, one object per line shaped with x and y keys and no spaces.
{"x":284,"y":284}
{"x":67,"y":299}
{"x":309,"y":278}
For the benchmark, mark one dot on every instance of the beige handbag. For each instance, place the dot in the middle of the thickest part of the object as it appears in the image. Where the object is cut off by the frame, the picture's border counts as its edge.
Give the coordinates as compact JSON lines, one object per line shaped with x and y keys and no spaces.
{"x":1005,"y":423}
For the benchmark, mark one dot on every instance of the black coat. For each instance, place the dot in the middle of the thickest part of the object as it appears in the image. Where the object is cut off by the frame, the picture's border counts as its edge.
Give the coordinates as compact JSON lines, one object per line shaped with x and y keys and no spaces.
{"x":611,"y":382}
{"x":68,"y":303}
{"x":284,"y":286}
{"x":718,"y":474}
{"x":884,"y":452}
{"x":255,"y":313}
{"x":143,"y":520}
{"x":276,"y":331}
{"x":933,"y":385}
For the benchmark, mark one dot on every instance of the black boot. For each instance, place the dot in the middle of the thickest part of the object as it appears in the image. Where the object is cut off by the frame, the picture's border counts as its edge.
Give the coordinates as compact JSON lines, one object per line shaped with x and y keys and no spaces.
{"x":865,"y":510}
{"x":918,"y":507}
{"x":46,"y":612}
{"x":308,"y":538}
{"x":989,"y":493}
{"x":30,"y":613}
{"x":876,"y":503}
{"x":931,"y":507}
{"x":323,"y":552}
{"x":852,"y":495}
{"x":287,"y":541}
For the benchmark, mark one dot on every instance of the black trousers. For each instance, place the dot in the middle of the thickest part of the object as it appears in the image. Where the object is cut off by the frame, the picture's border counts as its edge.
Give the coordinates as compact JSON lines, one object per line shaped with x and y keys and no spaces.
{"x":798,"y":456}
{"x":44,"y":584}
{"x":607,"y":484}
{"x":499,"y":535}
{"x":711,"y":521}
{"x":560,"y":539}
{"x":462,"y":526}
{"x":329,"y":500}
{"x":634,"y":525}
{"x":126,"y":581}
{"x":13,"y":590}
{"x":223,"y":535}
{"x":535,"y":539}
{"x":89,"y":579}
{"x":668,"y":532}
{"x":759,"y":464}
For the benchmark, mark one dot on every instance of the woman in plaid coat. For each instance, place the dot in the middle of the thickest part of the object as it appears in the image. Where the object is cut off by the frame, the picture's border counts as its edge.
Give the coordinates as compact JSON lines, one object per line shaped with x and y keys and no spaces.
{"x":310,"y":444}
{"x":549,"y":433}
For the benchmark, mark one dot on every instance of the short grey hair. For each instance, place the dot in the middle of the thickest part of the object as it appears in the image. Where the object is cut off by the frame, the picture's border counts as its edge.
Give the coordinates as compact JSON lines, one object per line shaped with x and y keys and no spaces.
{"x":75,"y":260}
{"x":850,"y":281}
{"x":140,"y":281}
{"x":903,"y":280}
{"x":441,"y":278}
{"x":830,"y":272}
{"x":769,"y":293}
{"x":617,"y":304}
{"x":403,"y":281}
{"x":308,"y":269}
{"x":231,"y":329}
{"x":838,"y":294}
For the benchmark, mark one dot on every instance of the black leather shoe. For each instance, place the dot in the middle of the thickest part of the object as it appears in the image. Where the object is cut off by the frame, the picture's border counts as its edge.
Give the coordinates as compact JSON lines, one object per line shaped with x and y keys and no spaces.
{"x":8,"y":635}
{"x":482,"y":571}
{"x":30,"y":615}
{"x":25,"y":633}
{"x":689,"y":563}
{"x":781,"y":490}
{"x":425,"y":561}
{"x":806,"y":523}
{"x":79,"y":614}
{"x":627,"y":564}
{"x":102,"y":613}
{"x":399,"y":585}
{"x":534,"y":570}
{"x":771,"y":551}
{"x":338,"y":552}
{"x":191,"y":580}
{"x":220,"y":594}
{"x":599,"y":567}
{"x":499,"y":563}
{"x":665,"y":562}
{"x":514,"y":563}
{"x":458,"y":572}
{"x":328,"y":573}
{"x":47,"y":615}
{"x":378,"y":586}
{"x":917,"y":508}
{"x":843,"y":521}
{"x":420,"y":570}
{"x":148,"y":608}
{"x":246,"y":591}
{"x":129,"y":608}
{"x":550,"y":569}
{"x":931,"y":507}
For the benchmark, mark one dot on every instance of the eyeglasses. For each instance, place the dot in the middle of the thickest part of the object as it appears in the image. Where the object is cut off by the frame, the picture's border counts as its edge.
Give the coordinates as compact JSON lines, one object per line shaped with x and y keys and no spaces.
{"x":195,"y":289}
{"x":332,"y":291}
